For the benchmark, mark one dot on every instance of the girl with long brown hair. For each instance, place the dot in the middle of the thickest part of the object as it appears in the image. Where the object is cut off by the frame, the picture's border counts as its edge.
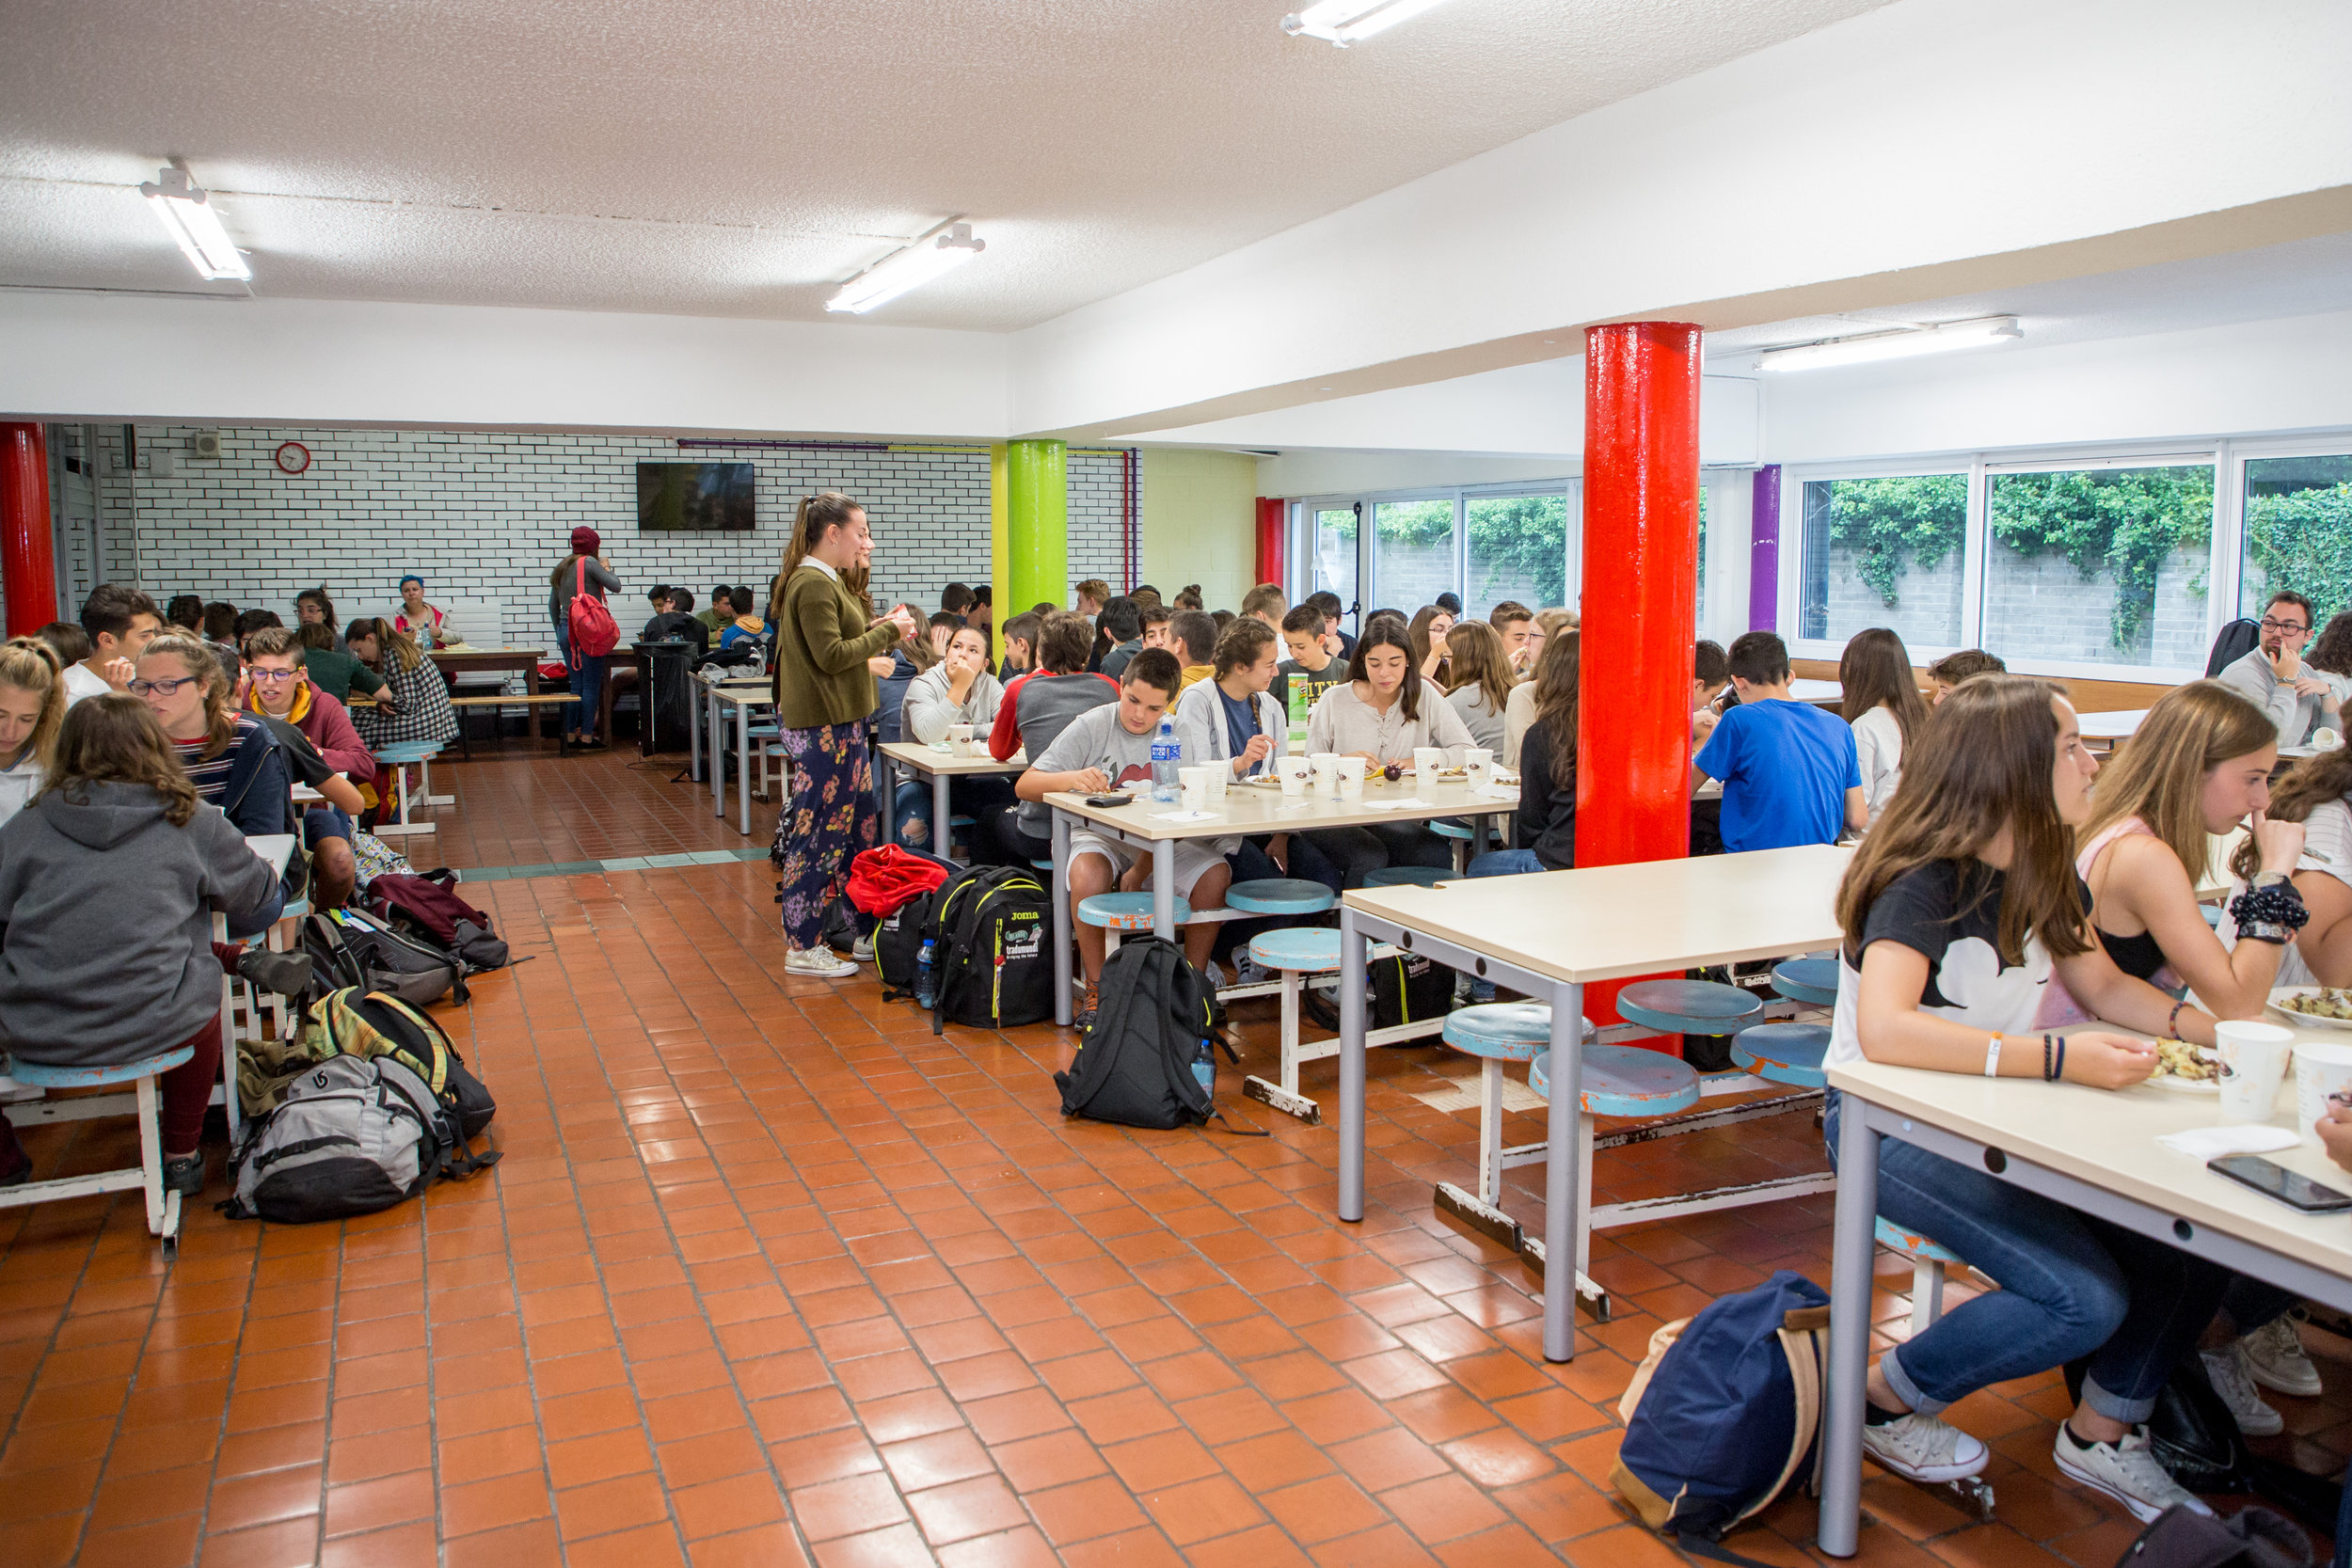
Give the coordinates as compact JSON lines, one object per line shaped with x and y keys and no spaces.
{"x":1882,"y":703}
{"x":108,"y":881}
{"x":1431,"y":626}
{"x":1958,"y":908}
{"x":826,"y":634}
{"x":1382,"y":713}
{"x":32,"y":705}
{"x":2316,"y":796}
{"x":417,"y":708}
{"x":1519,"y":711}
{"x":1546,"y":820}
{"x":1482,"y":679}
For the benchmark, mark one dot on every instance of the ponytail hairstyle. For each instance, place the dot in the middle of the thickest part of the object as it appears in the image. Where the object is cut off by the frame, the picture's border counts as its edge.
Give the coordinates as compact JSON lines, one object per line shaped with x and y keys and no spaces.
{"x":1188,"y":596}
{"x":817,"y":514}
{"x":317,"y":596}
{"x":34,"y":668}
{"x":114,"y":740}
{"x":205,"y":666}
{"x":392,"y":643}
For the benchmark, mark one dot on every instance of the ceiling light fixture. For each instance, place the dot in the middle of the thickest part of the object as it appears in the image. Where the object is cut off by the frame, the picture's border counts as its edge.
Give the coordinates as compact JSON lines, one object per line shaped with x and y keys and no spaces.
{"x":1346,"y":21}
{"x":194,"y":224}
{"x":1893,"y":346}
{"x":942,"y":250}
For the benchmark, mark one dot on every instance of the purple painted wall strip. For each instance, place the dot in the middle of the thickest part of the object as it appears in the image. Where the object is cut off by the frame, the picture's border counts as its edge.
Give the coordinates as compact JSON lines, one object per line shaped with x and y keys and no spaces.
{"x":1764,"y":551}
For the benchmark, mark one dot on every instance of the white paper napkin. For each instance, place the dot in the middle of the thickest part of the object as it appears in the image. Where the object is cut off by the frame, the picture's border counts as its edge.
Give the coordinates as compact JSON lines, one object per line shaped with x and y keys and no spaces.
{"x":2212,"y":1143}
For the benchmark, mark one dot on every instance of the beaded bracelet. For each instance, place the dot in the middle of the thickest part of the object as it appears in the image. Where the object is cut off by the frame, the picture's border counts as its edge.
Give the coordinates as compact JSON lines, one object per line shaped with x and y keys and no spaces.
{"x":2269,"y":914}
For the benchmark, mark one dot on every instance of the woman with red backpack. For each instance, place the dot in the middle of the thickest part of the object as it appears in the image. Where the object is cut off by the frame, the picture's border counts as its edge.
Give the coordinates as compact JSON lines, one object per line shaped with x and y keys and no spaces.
{"x":586,"y":631}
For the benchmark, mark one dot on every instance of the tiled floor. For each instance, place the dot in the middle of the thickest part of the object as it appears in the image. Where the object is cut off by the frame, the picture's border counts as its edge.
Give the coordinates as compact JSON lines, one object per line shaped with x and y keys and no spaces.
{"x":771,"y":1275}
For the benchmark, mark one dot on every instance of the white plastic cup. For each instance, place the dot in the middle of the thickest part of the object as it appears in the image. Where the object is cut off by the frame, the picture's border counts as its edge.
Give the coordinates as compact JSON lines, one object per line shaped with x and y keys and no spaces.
{"x":1480,"y":764}
{"x":960,"y":739}
{"x":1294,"y":772}
{"x":1427,"y":761}
{"x":1193,"y":783}
{"x":1326,"y":774}
{"x":1219,"y":775}
{"x":1351,"y":784}
{"x":2321,"y":1068}
{"x":2253,"y":1060}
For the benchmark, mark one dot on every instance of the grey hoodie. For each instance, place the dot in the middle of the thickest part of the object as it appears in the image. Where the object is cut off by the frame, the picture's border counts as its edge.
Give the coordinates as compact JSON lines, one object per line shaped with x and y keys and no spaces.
{"x":105,"y":923}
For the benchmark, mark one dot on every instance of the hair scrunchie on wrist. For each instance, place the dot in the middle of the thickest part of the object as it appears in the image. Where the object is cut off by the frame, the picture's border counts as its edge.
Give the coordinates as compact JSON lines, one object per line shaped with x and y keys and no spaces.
{"x":2270,"y":914}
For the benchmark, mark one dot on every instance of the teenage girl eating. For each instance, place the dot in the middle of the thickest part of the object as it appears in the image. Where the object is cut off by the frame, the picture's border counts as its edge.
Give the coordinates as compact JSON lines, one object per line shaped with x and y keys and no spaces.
{"x":1380,"y":714}
{"x":1958,"y":908}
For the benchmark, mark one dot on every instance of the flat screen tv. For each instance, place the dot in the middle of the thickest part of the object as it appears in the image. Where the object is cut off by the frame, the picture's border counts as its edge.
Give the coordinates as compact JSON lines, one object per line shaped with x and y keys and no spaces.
{"x":694,"y":498}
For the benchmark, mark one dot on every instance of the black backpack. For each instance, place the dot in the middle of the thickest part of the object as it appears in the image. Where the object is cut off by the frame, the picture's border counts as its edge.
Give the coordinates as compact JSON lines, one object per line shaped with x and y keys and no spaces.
{"x":351,"y":948}
{"x":2238,"y":639}
{"x":992,"y":961}
{"x":1409,"y":988}
{"x":1148,"y":1059}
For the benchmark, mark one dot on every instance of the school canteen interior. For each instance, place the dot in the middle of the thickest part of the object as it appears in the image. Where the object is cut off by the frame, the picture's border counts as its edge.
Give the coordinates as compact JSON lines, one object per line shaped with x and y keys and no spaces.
{"x":2005,"y":326}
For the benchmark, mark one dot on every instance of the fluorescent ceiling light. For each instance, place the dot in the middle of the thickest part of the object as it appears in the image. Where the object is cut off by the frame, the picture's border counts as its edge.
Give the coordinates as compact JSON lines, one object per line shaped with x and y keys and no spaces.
{"x":1346,"y":21}
{"x":941,"y":251}
{"x":195,"y":226}
{"x":1893,"y":346}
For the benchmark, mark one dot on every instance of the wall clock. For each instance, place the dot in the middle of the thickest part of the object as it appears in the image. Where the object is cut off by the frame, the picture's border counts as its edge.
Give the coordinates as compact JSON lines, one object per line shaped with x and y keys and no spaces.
{"x":292,"y":457}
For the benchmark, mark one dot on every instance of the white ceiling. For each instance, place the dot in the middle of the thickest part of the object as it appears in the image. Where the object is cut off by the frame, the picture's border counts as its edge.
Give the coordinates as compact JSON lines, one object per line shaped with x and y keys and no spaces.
{"x":740,"y":157}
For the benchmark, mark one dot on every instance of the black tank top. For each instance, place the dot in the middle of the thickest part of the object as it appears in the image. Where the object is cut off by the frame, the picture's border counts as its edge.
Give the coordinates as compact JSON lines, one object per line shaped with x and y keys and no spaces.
{"x":2137,"y":957}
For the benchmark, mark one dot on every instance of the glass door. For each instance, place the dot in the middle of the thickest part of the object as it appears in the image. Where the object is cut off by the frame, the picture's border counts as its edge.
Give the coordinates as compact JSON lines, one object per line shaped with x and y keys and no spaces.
{"x":1413,"y":554}
{"x":1335,"y":552}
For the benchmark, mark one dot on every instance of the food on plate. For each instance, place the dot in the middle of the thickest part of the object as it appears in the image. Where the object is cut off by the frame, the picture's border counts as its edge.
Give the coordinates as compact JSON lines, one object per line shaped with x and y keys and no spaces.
{"x":2179,"y":1059}
{"x":2328,"y":1002}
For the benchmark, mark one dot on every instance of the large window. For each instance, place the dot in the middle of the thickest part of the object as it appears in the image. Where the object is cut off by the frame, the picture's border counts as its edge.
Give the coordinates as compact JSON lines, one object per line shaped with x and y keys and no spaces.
{"x":2299,"y":532}
{"x":1413,"y":553}
{"x":1335,"y":551}
{"x":1517,"y":549}
{"x":2100,"y":566}
{"x":1884,"y":552}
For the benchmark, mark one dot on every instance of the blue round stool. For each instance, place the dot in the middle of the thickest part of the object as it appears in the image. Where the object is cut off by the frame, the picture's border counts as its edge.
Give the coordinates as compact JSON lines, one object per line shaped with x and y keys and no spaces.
{"x":1689,"y":1008}
{"x":1280,"y":896}
{"x":1784,"y":1052}
{"x":1928,"y":1259}
{"x":1617,"y":1080}
{"x":1296,"y":951}
{"x":162,"y":1209}
{"x":1407,"y":876}
{"x":1127,"y":911}
{"x":1496,"y":1033}
{"x":1813,"y":980}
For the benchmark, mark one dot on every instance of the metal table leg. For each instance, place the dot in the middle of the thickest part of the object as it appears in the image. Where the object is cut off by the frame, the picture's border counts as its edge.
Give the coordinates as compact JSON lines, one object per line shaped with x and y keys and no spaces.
{"x":1061,"y":918}
{"x":886,"y":770}
{"x":718,"y":763}
{"x":1352,"y":1067}
{"x":743,"y":763}
{"x":1851,"y":1247}
{"x":1561,"y":1185}
{"x":1163,"y":890}
{"x":943,"y":831}
{"x":693,"y":731}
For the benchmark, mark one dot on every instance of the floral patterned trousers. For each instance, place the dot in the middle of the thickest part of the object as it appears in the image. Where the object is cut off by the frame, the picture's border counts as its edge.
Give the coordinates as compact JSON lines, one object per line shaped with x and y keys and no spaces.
{"x":830,"y":818}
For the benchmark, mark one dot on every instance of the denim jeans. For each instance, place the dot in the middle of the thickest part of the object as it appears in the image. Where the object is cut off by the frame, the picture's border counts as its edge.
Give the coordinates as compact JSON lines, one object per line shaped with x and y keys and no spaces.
{"x":2070,"y":1285}
{"x":587,"y":685}
{"x":1505,"y":863}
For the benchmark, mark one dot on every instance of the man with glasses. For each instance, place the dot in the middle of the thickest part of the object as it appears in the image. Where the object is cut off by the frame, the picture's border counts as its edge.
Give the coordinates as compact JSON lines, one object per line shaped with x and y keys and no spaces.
{"x":2276,"y":677}
{"x":277,"y":688}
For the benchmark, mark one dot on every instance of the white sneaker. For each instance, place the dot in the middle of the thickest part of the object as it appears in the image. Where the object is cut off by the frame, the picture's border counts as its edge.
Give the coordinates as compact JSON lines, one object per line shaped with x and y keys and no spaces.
{"x":1249,"y":971}
{"x":1214,"y":975}
{"x":1921,"y":1448}
{"x":817,"y":963}
{"x":862,"y":950}
{"x":2227,"y":1371}
{"x":2126,"y":1471}
{"x":2275,"y":1358}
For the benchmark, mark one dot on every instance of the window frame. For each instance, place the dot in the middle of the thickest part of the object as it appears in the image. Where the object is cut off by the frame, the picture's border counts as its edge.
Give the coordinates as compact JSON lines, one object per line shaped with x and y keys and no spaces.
{"x":1300,"y":565}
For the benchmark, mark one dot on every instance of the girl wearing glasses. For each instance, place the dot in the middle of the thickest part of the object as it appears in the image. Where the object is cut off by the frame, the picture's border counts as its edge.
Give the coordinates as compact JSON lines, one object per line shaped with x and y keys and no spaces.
{"x":231,"y":758}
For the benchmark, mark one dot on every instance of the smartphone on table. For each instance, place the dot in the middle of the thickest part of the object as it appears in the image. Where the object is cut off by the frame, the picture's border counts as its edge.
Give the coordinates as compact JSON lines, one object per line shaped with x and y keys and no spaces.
{"x":2272,"y":1179}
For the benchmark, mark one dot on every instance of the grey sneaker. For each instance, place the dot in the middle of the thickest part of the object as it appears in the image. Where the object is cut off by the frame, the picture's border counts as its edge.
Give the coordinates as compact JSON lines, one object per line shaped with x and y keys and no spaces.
{"x":2227,"y":1371}
{"x":862,"y":950}
{"x":1921,"y":1448}
{"x":1215,"y":974}
{"x":2126,"y":1471}
{"x":2275,"y":1358}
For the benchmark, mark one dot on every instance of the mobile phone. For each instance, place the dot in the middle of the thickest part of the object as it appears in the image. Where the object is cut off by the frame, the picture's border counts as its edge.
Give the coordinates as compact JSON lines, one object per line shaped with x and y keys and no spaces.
{"x":2273,"y":1179}
{"x":1108,"y":800}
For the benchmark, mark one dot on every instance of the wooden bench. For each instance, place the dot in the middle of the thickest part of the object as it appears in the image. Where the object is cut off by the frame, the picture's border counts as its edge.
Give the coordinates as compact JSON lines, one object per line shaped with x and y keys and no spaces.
{"x":494,"y":700}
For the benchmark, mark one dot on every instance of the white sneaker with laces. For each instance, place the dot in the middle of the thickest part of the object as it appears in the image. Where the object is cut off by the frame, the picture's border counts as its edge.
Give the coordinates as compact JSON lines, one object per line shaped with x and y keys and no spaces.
{"x":1214,"y":974}
{"x":1921,"y":1448}
{"x":862,"y":950}
{"x":817,"y":963}
{"x":2126,"y":1471}
{"x":2275,"y":1358}
{"x":2227,"y":1371}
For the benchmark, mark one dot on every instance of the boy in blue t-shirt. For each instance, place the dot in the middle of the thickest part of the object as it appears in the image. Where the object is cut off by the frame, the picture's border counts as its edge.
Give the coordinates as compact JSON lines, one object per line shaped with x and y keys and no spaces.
{"x":1789,"y":772}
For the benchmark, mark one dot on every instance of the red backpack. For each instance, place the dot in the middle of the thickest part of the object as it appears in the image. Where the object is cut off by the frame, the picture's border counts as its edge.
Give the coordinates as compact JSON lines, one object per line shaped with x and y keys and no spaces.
{"x":427,"y":906}
{"x":592,"y":633}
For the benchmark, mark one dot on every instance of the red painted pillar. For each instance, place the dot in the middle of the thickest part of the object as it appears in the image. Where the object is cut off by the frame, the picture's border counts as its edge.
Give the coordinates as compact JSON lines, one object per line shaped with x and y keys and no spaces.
{"x":1640,"y":618}
{"x":28,"y":572}
{"x":1272,"y":513}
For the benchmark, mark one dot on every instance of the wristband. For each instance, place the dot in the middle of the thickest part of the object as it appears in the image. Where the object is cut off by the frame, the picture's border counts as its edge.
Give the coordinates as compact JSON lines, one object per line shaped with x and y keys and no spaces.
{"x":2046,"y":1073}
{"x":2061,"y":1060}
{"x":1992,"y":1057}
{"x":2173,"y":1019}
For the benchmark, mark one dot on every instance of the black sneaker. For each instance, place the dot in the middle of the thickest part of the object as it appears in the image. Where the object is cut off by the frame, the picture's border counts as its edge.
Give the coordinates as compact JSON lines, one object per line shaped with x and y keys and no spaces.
{"x":1091,"y":1002}
{"x":288,"y":975}
{"x":184,"y":1177}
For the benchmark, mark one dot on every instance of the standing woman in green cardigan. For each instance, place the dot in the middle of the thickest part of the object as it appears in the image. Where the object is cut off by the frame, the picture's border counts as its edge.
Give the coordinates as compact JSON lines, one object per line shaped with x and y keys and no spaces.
{"x":826,"y":631}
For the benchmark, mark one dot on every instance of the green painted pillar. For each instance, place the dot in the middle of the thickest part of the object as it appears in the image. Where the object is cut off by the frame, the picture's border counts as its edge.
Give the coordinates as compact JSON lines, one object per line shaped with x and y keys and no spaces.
{"x":1034,"y":564}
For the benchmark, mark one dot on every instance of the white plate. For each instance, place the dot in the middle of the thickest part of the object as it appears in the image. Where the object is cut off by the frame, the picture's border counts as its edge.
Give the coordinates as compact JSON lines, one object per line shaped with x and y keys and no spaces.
{"x":2293,"y":1017}
{"x":2186,"y":1085}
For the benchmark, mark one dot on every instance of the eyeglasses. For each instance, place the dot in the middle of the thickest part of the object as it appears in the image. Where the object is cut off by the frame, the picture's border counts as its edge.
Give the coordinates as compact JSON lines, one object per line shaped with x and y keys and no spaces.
{"x":2269,"y":624}
{"x":273,"y":676}
{"x":162,"y":687}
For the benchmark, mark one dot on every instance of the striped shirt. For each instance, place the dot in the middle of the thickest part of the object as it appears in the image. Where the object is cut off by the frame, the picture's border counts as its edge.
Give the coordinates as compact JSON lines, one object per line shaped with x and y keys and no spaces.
{"x":210,"y":777}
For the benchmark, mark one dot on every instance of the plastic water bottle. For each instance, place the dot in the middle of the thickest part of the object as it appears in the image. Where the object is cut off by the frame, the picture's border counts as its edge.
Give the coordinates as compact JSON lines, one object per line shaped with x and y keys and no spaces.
{"x":924,"y":980}
{"x":1204,"y":1068}
{"x":1166,"y":753}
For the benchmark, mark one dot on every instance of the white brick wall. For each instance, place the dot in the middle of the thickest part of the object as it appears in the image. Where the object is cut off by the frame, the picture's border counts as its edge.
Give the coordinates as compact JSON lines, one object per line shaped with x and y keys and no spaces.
{"x":486,"y":516}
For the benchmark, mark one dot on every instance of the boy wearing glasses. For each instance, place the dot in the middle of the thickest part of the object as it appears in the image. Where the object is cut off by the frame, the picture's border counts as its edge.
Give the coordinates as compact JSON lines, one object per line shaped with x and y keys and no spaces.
{"x":278,"y":687}
{"x":2275,"y":677}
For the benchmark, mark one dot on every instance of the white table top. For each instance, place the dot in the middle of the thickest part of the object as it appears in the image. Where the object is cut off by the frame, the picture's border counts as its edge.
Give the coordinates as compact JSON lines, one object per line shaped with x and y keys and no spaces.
{"x":1265,"y":809}
{"x":473,"y":653}
{"x":2108,"y":1139}
{"x":924,"y":759}
{"x":304,"y":795}
{"x":1609,"y":921}
{"x":1817,"y":691}
{"x":273,"y":849}
{"x":753,"y":693}
{"x":2119,"y":725}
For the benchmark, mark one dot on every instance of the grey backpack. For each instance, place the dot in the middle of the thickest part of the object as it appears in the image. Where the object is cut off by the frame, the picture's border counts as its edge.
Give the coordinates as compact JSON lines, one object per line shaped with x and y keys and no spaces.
{"x":350,"y":1136}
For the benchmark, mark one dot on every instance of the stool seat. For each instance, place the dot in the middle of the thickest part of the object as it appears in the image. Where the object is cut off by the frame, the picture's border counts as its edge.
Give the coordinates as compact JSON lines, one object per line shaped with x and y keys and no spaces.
{"x":1813,"y":980}
{"x":1626,"y":1081}
{"x":1408,"y":876}
{"x":408,"y":751}
{"x":1046,"y":864}
{"x":83,"y":1077}
{"x":1445,"y":829}
{"x":1126,"y":912}
{"x":1689,"y":1006}
{"x":1280,"y":896}
{"x":1911,"y":1244}
{"x":1784,"y":1052}
{"x":1312,"y":948}
{"x":1502,"y":1031}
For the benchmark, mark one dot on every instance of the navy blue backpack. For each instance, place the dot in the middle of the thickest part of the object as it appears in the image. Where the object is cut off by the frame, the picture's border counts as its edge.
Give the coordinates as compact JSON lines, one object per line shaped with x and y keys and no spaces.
{"x":1724,"y":1413}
